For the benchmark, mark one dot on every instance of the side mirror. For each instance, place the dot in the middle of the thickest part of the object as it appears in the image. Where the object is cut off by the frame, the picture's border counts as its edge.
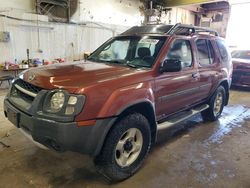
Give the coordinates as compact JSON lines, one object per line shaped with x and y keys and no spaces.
{"x":86,"y":55}
{"x":171,"y":65}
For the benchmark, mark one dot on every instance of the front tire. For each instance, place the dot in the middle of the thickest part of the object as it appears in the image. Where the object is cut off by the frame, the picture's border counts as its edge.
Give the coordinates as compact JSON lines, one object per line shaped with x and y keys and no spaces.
{"x":125,"y":148}
{"x":216,"y":105}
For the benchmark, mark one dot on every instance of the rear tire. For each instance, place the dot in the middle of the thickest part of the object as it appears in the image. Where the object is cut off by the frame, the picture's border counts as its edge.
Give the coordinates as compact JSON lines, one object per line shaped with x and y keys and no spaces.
{"x":125,"y":148}
{"x":216,"y":105}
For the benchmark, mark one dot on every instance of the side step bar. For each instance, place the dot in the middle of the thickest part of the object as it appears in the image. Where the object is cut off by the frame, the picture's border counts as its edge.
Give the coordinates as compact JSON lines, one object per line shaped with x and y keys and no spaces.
{"x":181,"y":117}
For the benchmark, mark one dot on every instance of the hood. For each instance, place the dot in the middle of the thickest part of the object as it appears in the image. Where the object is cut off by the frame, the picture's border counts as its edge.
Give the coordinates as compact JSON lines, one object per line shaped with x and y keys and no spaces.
{"x":75,"y":75}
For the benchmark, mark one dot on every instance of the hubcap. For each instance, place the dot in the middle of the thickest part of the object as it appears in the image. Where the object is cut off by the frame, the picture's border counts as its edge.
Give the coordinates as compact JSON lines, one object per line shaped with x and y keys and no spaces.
{"x":128,"y":147}
{"x":218,"y":103}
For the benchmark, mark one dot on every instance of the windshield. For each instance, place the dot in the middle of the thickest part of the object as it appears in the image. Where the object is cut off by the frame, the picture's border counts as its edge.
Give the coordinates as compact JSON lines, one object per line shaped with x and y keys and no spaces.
{"x":131,"y":51}
{"x":243,"y":54}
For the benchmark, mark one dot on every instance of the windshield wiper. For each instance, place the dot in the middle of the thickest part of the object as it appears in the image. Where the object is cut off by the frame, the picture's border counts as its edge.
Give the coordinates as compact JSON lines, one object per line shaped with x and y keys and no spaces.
{"x":131,"y":65}
{"x":100,"y":60}
{"x":114,"y":61}
{"x":121,"y":63}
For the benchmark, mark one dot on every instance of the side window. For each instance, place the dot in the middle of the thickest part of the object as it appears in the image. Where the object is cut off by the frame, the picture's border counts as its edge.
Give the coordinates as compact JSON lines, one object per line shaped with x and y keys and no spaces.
{"x":223,"y":50}
{"x":205,"y":52}
{"x":181,"y":50}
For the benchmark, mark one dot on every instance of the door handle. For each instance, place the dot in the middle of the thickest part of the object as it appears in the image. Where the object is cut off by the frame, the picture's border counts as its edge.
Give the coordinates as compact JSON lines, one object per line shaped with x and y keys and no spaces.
{"x":195,"y":75}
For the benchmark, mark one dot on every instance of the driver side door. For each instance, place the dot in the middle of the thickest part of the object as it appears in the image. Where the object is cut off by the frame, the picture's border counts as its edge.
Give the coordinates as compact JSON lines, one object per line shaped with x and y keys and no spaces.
{"x":175,"y":91}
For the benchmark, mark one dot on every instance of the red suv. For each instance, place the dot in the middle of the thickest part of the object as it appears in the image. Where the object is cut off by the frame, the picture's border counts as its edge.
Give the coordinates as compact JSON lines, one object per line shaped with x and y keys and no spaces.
{"x":111,"y":105}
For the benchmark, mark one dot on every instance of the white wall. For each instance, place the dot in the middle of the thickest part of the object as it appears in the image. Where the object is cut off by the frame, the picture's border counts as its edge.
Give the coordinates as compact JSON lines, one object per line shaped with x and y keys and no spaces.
{"x":26,"y":5}
{"x":120,"y":12}
{"x":238,"y":27}
{"x":125,"y":12}
{"x":221,"y":26}
{"x":179,"y":15}
{"x":52,"y":40}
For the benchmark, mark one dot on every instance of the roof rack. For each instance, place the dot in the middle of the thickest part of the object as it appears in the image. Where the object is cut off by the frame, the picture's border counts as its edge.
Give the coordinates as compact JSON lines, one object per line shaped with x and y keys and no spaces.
{"x":178,"y":29}
{"x":182,"y":29}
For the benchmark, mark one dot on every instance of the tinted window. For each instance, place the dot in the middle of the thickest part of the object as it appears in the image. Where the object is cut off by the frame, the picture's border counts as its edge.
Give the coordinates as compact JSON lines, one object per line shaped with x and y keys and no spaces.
{"x":181,"y":50}
{"x":205,"y":52}
{"x":223,"y":49}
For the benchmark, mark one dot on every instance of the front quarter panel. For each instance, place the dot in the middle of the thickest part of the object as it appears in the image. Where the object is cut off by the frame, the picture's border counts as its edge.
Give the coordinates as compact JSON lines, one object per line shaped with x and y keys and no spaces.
{"x":125,"y":97}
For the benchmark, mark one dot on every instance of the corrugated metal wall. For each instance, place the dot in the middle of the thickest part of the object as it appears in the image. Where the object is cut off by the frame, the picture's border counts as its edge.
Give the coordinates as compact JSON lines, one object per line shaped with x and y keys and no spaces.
{"x":55,"y":40}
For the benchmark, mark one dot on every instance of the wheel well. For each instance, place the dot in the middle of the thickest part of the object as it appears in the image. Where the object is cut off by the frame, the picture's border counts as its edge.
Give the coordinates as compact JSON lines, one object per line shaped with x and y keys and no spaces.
{"x":147,"y":110}
{"x":226,"y":86}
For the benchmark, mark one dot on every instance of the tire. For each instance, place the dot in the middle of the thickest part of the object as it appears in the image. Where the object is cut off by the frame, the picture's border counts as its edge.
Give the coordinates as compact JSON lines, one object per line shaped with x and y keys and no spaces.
{"x":216,"y":105}
{"x":111,"y":161}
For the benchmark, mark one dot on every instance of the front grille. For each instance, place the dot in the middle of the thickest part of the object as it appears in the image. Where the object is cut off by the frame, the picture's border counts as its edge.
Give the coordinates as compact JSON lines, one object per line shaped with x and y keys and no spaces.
{"x":24,"y":90}
{"x":27,"y":86}
{"x":22,"y":95}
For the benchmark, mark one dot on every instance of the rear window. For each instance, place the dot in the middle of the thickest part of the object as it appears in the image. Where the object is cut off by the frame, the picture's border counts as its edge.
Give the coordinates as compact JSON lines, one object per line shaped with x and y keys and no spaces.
{"x":223,"y":50}
{"x":205,"y":52}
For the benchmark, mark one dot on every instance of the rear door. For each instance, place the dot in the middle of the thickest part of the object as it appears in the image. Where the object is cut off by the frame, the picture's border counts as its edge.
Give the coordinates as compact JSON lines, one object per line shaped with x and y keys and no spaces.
{"x":177,"y":90}
{"x":208,"y":66}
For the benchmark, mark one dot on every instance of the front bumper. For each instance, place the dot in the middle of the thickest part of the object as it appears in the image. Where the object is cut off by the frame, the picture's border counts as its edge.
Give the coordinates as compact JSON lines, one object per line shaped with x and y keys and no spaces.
{"x":60,"y":136}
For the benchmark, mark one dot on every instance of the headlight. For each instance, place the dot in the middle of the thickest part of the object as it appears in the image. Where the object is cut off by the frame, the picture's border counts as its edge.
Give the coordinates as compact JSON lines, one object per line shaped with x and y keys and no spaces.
{"x":72,"y":100}
{"x":60,"y":102}
{"x":57,"y":101}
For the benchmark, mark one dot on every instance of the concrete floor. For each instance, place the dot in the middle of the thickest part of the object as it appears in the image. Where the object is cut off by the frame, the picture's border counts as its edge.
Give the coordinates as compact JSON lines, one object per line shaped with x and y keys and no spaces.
{"x":193,"y":154}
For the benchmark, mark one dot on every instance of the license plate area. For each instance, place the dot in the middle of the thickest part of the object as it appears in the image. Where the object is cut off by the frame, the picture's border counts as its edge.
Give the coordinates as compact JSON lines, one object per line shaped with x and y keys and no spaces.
{"x":13,"y":116}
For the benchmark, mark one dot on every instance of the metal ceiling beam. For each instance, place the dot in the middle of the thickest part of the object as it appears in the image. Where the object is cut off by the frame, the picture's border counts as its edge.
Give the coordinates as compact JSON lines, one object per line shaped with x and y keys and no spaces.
{"x":174,"y":3}
{"x":216,"y":6}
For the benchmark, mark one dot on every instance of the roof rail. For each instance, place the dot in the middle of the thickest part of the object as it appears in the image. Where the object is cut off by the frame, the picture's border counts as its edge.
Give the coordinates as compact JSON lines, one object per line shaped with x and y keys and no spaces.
{"x":183,"y":29}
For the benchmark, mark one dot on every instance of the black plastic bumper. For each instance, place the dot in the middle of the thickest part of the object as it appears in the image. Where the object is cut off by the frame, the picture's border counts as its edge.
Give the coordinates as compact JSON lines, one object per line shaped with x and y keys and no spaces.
{"x":61,"y":136}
